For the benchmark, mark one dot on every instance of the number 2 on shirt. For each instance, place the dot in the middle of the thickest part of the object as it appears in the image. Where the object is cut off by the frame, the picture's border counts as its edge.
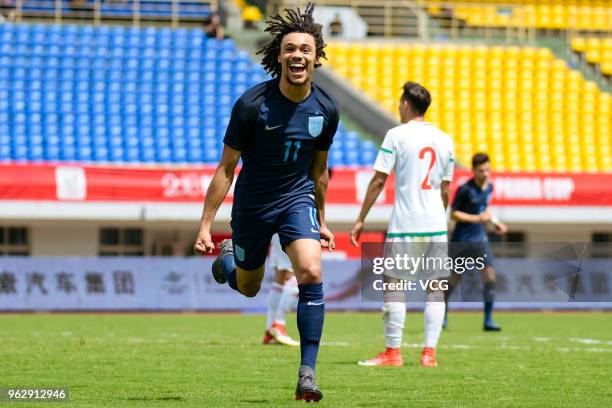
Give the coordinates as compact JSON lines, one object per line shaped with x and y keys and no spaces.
{"x":425,"y":184}
{"x":288,"y":144}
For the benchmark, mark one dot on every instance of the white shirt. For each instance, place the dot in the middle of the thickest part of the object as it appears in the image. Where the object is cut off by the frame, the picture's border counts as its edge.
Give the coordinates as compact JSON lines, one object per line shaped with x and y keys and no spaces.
{"x":422,"y":156}
{"x":278,"y":258}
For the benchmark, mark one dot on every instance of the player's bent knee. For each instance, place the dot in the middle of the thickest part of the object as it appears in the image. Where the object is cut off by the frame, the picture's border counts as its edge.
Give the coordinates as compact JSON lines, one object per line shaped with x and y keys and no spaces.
{"x":249,"y":289}
{"x":309,"y":274}
{"x":249,"y":281}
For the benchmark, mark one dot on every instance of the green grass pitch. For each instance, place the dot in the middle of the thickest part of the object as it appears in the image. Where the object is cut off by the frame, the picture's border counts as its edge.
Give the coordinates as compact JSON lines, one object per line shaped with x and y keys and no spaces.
{"x":212,"y":360}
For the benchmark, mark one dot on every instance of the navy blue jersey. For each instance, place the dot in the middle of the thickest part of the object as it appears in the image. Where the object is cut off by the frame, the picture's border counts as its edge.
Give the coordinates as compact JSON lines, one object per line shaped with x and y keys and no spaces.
{"x":471,"y":199}
{"x":277,"y":139}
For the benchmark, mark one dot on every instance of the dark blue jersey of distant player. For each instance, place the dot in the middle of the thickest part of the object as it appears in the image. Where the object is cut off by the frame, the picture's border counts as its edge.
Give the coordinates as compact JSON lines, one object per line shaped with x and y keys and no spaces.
{"x":471,"y":199}
{"x":277,"y":139}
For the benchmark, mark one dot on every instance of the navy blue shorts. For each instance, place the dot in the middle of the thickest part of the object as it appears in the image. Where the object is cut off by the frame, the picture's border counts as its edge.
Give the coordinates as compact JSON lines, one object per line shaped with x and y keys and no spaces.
{"x":251,"y":234}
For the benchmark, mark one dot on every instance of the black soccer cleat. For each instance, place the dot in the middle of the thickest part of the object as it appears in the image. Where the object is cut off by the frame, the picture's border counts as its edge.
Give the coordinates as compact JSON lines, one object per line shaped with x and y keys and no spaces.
{"x":227,"y":249}
{"x":306,"y":388}
{"x":491,"y":326}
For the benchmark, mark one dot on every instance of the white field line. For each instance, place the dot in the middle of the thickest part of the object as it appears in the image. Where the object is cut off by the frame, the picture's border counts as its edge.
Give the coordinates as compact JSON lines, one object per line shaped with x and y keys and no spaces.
{"x":585,"y":341}
{"x":448,"y":346}
{"x":513,"y":347}
{"x":334,"y":343}
{"x":506,"y":345}
{"x":581,"y":350}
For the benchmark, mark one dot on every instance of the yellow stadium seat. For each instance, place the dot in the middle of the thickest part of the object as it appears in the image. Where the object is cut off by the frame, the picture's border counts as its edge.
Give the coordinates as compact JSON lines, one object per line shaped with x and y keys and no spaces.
{"x":606,"y":67}
{"x":558,"y":14}
{"x":252,"y":13}
{"x":529,"y":109}
{"x":593,"y":56}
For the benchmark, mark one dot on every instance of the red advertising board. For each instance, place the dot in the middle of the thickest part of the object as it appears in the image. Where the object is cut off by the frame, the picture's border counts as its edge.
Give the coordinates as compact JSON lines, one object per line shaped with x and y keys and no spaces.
{"x":53,"y":182}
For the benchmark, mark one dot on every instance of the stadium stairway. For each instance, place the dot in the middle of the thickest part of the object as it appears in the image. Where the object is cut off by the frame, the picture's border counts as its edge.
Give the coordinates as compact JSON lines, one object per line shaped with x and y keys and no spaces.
{"x":596,"y":53}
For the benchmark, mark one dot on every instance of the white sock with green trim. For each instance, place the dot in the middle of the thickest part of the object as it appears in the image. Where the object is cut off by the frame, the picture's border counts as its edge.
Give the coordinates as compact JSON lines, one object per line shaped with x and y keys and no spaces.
{"x":394,"y":316}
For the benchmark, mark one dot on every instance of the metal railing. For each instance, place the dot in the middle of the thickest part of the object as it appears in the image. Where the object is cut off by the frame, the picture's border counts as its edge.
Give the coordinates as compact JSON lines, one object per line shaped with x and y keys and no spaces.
{"x":446,"y":21}
{"x":387,"y":18}
{"x":404,"y":18}
{"x":102,"y":11}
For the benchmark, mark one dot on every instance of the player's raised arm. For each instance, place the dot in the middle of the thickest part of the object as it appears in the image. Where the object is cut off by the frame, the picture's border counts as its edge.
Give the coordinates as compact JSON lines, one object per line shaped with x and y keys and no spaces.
{"x":320,"y":175}
{"x":217,"y":190}
{"x":375,"y":187}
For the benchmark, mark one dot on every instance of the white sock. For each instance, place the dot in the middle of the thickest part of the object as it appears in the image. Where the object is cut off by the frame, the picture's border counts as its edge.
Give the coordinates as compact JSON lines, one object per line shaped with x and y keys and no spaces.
{"x":273,"y":298}
{"x":288,"y":300}
{"x":433,"y":317}
{"x":394,"y":316}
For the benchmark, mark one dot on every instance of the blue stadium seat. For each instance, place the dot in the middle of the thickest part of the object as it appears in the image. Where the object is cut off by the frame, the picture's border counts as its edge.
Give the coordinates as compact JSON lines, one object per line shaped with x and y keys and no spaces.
{"x":352,"y":156}
{"x":84,"y":153}
{"x":5,"y":152}
{"x":120,"y":94}
{"x":367,"y":157}
{"x":35,"y":153}
{"x":116,"y":154}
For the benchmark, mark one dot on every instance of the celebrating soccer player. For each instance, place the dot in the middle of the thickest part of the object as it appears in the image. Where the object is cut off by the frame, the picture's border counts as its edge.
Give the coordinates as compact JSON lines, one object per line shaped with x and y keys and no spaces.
{"x":282,"y":129}
{"x":422,"y":158}
{"x":469,"y":210}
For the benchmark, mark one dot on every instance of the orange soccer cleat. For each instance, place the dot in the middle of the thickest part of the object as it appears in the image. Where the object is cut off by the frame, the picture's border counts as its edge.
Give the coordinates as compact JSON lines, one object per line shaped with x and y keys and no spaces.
{"x":428,"y":357}
{"x":389,"y":357}
{"x":268,"y":339}
{"x":278,"y":331}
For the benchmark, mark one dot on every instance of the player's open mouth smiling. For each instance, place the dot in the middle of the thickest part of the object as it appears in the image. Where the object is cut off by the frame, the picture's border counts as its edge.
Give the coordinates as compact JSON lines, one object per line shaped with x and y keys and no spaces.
{"x":296,"y":68}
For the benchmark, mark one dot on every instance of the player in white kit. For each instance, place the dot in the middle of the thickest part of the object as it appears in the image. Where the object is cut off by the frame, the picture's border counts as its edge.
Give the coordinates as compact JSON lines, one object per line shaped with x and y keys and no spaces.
{"x":422,"y":158}
{"x":282,"y":298}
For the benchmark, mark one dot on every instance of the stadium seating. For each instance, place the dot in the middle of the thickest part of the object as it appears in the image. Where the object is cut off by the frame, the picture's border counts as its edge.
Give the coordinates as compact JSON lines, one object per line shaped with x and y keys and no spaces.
{"x":147,"y":9}
{"x":596,"y":51}
{"x":522,"y":105}
{"x":547,"y":14}
{"x":116,"y":94}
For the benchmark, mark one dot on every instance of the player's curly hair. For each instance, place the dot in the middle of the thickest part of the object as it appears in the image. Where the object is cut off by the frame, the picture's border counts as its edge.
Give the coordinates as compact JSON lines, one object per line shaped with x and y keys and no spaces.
{"x":279,"y":27}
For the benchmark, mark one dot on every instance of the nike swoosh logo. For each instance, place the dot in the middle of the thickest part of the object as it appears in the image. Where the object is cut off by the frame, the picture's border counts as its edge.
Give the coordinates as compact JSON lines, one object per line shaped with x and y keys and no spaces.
{"x":272,"y":127}
{"x":315,"y":231}
{"x":314,"y":304}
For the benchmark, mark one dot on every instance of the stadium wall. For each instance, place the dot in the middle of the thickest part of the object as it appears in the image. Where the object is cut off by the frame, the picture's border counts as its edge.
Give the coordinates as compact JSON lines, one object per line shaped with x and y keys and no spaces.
{"x":176,"y":284}
{"x":82,"y":238}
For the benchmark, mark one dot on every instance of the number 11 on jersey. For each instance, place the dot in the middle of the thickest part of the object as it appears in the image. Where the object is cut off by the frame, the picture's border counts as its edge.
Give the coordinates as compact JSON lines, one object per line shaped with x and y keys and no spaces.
{"x":288,"y":145}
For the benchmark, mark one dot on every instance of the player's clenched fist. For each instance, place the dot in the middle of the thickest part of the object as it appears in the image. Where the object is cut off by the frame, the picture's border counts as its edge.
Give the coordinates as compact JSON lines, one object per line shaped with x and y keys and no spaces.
{"x":204,"y":244}
{"x":327,"y":239}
